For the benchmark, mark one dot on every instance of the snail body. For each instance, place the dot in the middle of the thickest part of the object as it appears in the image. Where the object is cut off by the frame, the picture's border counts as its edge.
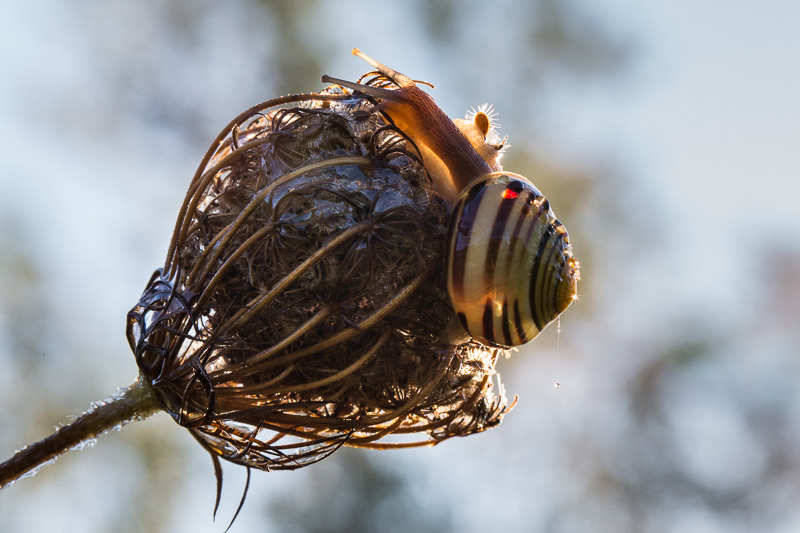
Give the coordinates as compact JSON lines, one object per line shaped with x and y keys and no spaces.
{"x":448,"y":156}
{"x":510,"y":267}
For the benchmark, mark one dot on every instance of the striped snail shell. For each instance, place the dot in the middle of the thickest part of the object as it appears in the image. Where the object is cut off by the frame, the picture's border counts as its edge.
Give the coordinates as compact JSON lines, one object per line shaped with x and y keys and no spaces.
{"x":510,"y":267}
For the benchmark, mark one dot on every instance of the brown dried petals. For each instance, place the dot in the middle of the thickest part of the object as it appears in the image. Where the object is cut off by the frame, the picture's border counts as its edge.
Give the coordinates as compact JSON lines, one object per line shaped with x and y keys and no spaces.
{"x":302,"y":306}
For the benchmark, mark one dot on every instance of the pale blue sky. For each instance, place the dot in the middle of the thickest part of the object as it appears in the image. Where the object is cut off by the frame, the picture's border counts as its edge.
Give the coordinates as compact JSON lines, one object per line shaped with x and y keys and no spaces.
{"x":705,"y":127}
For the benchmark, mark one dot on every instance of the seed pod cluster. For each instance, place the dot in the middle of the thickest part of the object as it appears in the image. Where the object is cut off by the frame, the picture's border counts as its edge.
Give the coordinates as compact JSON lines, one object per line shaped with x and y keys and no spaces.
{"x":303,"y":304}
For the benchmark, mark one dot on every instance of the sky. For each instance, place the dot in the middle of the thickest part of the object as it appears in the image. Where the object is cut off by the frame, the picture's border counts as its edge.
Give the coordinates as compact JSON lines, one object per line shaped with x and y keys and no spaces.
{"x":711,"y":123}
{"x":702,"y":128}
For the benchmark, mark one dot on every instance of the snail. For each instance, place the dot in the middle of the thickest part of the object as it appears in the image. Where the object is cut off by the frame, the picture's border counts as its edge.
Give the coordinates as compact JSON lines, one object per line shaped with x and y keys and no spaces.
{"x":346,"y":268}
{"x":510,"y":266}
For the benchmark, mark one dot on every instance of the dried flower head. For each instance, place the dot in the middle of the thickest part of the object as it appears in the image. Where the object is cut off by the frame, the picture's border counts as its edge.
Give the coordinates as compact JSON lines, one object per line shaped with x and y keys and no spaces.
{"x":303,"y":304}
{"x":324,"y":288}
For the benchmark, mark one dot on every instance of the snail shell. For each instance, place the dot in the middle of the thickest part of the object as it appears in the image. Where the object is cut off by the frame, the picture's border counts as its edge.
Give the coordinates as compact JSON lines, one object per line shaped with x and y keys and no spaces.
{"x":510,"y":267}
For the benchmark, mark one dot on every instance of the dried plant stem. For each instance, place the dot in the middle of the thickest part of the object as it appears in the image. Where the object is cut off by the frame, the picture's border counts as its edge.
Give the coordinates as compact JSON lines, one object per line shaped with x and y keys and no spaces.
{"x":134,"y":403}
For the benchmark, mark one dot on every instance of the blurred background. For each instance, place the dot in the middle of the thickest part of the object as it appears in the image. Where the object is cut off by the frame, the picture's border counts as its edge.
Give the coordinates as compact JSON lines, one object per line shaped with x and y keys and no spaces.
{"x":666,"y":136}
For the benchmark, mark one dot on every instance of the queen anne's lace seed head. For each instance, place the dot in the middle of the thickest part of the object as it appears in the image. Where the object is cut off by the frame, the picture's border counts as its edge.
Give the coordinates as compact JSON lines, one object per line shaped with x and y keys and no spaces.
{"x":303,"y":303}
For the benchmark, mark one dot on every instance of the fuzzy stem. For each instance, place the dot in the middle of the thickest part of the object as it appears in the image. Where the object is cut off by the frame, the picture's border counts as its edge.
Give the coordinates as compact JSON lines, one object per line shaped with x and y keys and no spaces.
{"x":137,"y":402}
